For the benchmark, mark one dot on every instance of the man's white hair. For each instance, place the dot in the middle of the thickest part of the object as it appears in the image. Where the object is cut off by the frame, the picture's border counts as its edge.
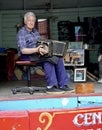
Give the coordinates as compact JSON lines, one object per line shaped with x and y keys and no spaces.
{"x":29,"y":14}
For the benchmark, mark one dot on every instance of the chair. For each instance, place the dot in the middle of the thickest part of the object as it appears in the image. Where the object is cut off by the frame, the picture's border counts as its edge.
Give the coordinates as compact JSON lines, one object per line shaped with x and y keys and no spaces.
{"x":28,"y":88}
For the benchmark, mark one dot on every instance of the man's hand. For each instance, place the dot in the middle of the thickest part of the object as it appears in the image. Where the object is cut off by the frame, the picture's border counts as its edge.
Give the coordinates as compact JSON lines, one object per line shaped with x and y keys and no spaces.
{"x":99,"y":58}
{"x":43,"y":50}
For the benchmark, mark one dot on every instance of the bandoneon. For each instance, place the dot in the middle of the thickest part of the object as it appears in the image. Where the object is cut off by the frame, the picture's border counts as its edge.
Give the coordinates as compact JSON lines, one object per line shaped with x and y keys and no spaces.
{"x":55,"y":48}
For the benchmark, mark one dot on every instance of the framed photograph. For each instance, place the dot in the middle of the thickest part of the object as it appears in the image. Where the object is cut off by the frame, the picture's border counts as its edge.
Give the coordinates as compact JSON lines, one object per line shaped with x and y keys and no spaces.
{"x":79,"y":74}
{"x":75,"y":45}
{"x":74,"y":57}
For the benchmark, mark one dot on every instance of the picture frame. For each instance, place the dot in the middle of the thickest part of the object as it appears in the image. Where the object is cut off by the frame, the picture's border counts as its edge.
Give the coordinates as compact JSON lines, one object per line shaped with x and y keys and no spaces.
{"x":75,"y":45}
{"x":74,"y":57}
{"x":80,"y":75}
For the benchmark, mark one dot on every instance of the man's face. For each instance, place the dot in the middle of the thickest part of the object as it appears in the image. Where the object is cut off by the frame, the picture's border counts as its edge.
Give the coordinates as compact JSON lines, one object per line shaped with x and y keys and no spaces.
{"x":30,"y":22}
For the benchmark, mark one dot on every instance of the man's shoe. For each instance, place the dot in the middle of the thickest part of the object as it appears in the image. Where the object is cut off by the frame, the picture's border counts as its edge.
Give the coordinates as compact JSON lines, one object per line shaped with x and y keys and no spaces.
{"x":67,"y":89}
{"x":99,"y":81}
{"x":54,"y":90}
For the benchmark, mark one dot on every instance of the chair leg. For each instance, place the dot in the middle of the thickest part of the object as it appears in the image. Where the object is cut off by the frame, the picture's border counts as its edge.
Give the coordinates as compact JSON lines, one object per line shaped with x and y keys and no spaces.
{"x":28,"y":76}
{"x":28,"y":88}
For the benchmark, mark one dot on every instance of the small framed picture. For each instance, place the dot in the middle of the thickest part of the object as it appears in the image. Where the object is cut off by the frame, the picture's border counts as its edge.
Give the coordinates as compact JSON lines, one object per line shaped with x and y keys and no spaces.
{"x":79,"y":74}
{"x":75,"y":45}
{"x":74,"y":57}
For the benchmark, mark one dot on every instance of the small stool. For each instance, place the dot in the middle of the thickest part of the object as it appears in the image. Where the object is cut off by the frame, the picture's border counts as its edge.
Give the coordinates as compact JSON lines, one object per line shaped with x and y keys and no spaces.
{"x":28,"y":88}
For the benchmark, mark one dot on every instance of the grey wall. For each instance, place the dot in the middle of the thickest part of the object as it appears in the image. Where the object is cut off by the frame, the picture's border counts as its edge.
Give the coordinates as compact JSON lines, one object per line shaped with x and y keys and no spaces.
{"x":9,"y":20}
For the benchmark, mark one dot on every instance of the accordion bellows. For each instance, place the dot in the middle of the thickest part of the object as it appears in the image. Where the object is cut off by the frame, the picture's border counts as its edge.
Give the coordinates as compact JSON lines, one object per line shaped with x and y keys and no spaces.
{"x":56,"y":48}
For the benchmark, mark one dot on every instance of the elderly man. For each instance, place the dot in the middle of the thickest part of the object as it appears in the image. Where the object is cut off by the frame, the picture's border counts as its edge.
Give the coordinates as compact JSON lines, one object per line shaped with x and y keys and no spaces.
{"x":55,"y":73}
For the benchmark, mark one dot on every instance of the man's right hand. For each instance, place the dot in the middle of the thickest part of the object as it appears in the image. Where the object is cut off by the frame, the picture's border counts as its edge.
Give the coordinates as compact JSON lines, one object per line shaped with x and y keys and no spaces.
{"x":42,"y":50}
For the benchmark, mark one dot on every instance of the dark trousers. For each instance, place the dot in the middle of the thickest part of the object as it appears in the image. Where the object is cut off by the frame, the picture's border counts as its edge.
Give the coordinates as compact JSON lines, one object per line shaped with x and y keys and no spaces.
{"x":55,"y":73}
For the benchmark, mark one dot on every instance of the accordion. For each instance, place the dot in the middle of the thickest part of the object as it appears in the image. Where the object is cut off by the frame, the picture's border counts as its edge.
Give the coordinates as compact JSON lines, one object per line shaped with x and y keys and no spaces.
{"x":55,"y":48}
